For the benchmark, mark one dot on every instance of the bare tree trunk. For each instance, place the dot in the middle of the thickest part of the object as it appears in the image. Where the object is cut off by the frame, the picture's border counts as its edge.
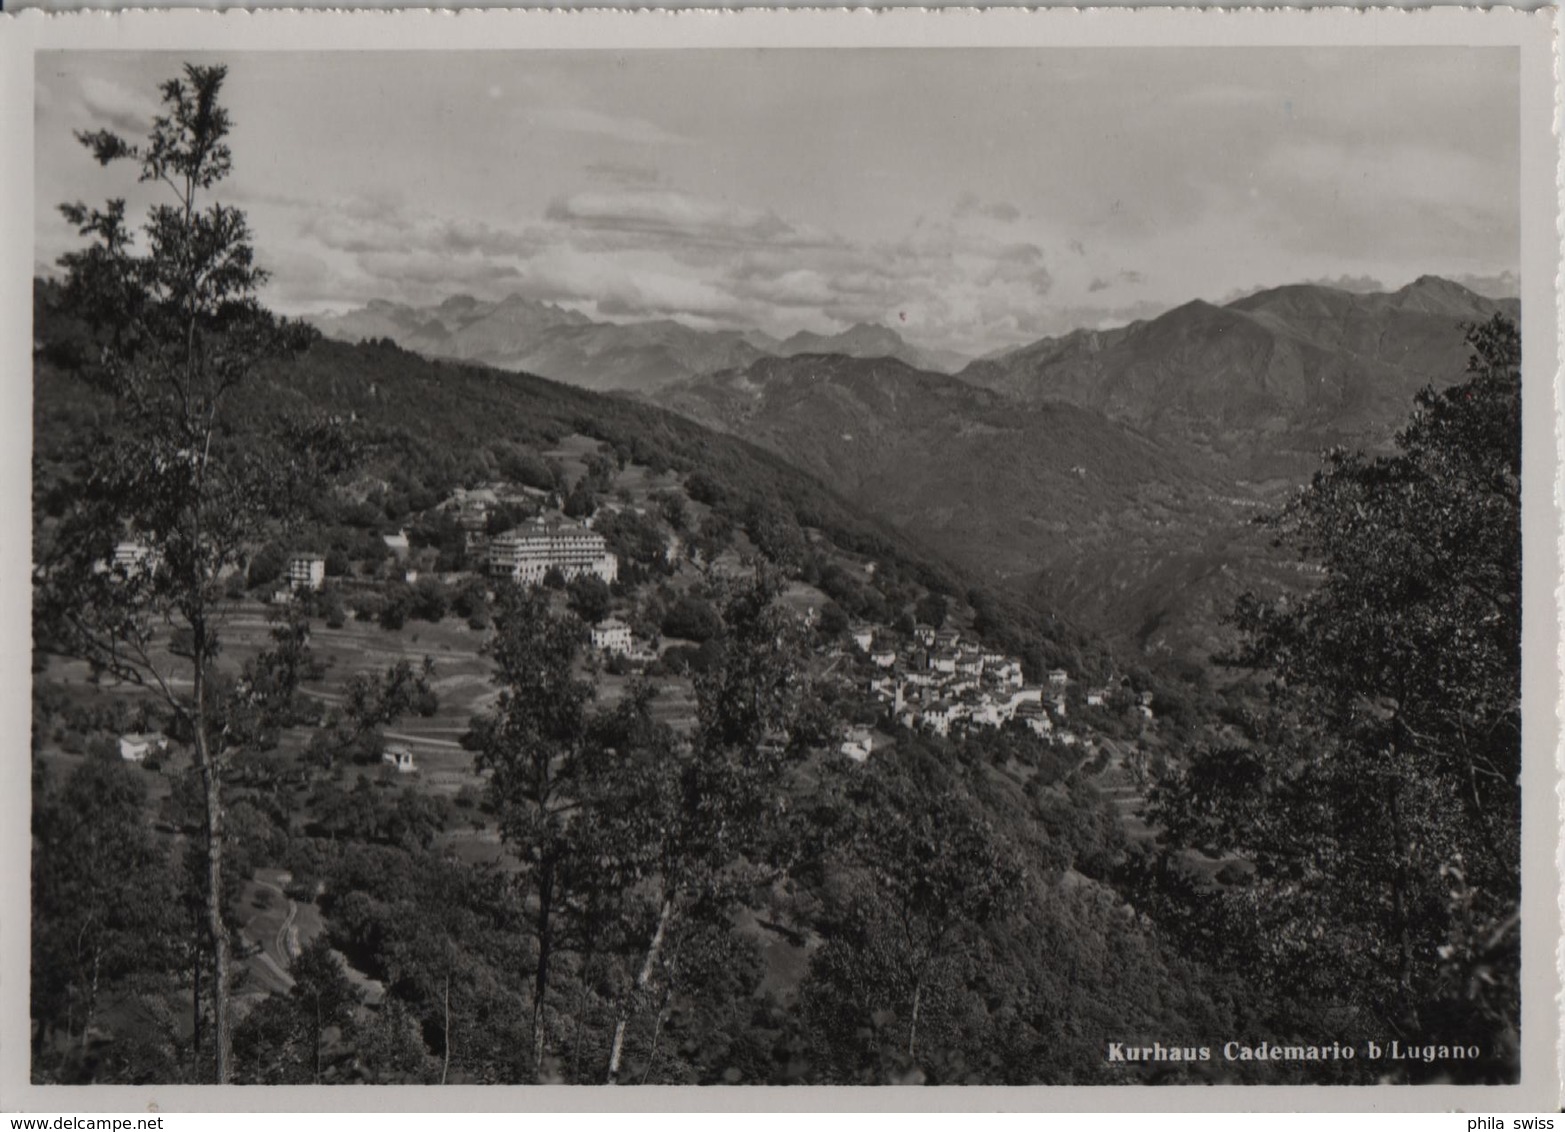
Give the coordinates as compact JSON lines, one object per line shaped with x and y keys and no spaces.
{"x":92,"y":1000}
{"x":643,"y":977}
{"x":581,"y":1011}
{"x":912,"y":1030}
{"x":657,"y":1032}
{"x":222,"y":1039}
{"x":195,"y":1014}
{"x":545,"y":957}
{"x":445,"y":1061}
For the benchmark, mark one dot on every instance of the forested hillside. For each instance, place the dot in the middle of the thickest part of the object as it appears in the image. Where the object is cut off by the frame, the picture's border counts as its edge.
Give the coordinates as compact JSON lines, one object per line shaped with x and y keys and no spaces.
{"x":1119,"y":468}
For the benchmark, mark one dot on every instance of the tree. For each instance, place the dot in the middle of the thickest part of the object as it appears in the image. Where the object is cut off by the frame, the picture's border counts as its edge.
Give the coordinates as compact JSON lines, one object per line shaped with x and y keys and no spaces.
{"x":282,"y":1040}
{"x":1381,"y":805}
{"x":372,"y":702}
{"x":179,"y":329}
{"x":932,"y":609}
{"x":693,"y":826}
{"x":925,"y":875}
{"x":104,"y":900}
{"x":323,"y":996}
{"x":589,"y":598}
{"x":531,"y":743}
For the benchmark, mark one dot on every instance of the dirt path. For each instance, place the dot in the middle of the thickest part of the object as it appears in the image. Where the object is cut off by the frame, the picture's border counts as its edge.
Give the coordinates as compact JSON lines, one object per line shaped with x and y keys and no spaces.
{"x":425,"y":740}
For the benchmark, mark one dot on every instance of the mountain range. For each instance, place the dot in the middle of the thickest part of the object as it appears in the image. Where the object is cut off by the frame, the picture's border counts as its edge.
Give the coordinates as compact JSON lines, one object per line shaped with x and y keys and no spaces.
{"x":1266,"y":381}
{"x":1108,"y":474}
{"x":1112,"y":474}
{"x":520,"y":334}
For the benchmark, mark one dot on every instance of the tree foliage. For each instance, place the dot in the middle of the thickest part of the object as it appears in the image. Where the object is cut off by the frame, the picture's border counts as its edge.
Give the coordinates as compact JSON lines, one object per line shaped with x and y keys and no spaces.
{"x":1381,"y":806}
{"x":179,"y":328}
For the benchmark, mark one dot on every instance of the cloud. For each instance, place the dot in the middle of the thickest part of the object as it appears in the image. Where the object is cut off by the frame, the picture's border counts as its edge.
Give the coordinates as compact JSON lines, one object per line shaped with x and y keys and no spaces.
{"x":1500,"y":285}
{"x":620,"y":128}
{"x":127,"y":110}
{"x":968,"y":204}
{"x":1128,"y":277}
{"x":623,"y":173}
{"x":665,"y":213}
{"x":1357,"y":284}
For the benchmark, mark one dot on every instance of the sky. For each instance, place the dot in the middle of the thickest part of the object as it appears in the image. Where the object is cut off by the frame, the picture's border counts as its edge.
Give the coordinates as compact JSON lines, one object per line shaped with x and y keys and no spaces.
{"x":971,"y":199}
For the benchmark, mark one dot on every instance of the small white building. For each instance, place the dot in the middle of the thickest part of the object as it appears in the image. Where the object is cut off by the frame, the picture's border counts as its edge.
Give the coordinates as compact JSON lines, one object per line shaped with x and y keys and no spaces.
{"x":135,"y":747}
{"x":129,"y":560}
{"x":611,"y":635}
{"x":1058,"y":678}
{"x":1032,"y":716}
{"x":397,"y":543}
{"x":863,"y":637}
{"x":306,"y":572}
{"x":938,"y":717}
{"x":857,"y":744}
{"x":133,"y":557}
{"x":399,"y":758}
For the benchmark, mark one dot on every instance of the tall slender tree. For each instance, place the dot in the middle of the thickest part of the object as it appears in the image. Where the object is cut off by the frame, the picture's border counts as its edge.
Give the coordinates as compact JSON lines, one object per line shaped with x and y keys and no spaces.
{"x":532,"y":746}
{"x":179,"y":328}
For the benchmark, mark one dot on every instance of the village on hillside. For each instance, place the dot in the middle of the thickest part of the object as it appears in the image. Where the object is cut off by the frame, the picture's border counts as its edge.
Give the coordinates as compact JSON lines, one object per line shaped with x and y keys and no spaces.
{"x":939,"y":680}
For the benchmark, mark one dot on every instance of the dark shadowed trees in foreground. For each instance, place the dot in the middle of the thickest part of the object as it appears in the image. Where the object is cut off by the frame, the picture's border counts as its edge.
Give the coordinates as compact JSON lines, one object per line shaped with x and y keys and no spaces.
{"x":1379,"y":801}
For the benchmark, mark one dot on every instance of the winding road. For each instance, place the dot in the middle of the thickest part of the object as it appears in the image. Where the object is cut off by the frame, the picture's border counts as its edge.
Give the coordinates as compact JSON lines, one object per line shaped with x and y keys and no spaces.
{"x":284,"y":947}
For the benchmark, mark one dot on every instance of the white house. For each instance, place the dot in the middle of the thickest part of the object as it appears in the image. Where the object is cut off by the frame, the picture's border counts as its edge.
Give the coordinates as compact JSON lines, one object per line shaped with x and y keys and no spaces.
{"x":857,"y":744}
{"x":399,"y":757}
{"x":611,"y":635}
{"x":135,"y":747}
{"x":864,"y":637}
{"x":1032,"y":716}
{"x":129,"y":560}
{"x":306,"y":572}
{"x":1058,"y":678}
{"x":132,"y":557}
{"x":937,"y":717}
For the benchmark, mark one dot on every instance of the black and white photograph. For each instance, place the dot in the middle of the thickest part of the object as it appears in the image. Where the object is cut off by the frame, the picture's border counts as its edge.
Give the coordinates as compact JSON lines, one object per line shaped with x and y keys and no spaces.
{"x":802,"y":565}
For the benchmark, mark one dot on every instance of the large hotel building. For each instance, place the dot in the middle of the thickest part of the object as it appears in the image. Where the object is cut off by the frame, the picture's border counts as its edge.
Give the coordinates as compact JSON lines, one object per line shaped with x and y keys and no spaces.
{"x":530,"y":552}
